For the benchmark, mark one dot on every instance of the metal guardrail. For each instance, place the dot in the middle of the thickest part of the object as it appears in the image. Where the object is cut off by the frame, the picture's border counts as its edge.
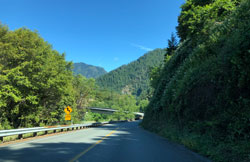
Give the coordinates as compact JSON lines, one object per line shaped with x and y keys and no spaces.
{"x":22,"y":129}
{"x":35,"y":130}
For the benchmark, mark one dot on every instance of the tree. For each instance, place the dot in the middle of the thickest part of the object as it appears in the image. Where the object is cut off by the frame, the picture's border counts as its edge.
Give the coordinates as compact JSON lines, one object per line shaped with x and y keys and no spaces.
{"x":36,"y":81}
{"x":84,"y":90}
{"x":172,"y":45}
{"x":143,"y":104}
{"x":198,"y":16}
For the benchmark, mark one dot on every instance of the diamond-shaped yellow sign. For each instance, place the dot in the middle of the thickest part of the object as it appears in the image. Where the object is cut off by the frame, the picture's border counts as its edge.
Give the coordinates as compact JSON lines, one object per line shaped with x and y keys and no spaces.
{"x":68,"y":110}
{"x":67,"y":117}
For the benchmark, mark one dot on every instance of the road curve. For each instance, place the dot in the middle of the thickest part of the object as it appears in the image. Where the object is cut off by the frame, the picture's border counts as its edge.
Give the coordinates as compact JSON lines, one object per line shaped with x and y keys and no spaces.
{"x":120,"y":142}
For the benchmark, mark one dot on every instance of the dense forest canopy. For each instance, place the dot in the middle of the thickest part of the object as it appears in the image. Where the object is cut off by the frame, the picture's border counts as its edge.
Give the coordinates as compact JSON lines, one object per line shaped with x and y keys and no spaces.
{"x":89,"y":71}
{"x":134,"y":77}
{"x":202,"y":93}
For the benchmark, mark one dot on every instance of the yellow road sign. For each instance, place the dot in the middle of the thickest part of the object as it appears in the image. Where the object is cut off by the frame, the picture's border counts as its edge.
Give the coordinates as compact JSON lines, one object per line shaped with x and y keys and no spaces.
{"x":68,"y":110}
{"x":67,"y":117}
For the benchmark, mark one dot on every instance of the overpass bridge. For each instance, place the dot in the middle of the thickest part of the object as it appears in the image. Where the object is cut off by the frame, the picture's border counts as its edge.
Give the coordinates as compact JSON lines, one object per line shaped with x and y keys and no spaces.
{"x":138,"y":115}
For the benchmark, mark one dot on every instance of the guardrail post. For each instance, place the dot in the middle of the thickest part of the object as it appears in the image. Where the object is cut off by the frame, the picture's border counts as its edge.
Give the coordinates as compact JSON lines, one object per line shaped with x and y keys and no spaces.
{"x":34,"y":131}
{"x":20,"y":136}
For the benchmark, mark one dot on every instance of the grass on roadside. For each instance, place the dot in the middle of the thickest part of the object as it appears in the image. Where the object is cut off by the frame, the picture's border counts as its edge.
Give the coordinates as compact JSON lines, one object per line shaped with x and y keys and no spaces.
{"x":215,"y":149}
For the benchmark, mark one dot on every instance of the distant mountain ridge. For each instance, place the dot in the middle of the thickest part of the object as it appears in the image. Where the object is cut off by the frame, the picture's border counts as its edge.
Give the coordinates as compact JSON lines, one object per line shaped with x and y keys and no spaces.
{"x":133,"y":78}
{"x":89,"y":71}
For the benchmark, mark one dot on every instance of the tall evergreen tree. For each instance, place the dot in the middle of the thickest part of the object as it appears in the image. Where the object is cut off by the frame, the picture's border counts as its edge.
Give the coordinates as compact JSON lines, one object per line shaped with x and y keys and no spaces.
{"x":172,"y":45}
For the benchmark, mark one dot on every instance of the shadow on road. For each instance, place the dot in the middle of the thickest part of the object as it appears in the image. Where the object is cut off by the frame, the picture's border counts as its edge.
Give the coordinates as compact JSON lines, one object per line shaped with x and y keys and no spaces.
{"x":42,"y":152}
{"x":35,"y":151}
{"x":128,"y":143}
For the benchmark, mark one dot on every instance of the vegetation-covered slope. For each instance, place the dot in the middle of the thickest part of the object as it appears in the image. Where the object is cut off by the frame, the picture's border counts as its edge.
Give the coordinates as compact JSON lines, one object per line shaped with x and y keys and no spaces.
{"x":134,"y":77}
{"x":202,"y":95}
{"x":89,"y":71}
{"x":37,"y":83}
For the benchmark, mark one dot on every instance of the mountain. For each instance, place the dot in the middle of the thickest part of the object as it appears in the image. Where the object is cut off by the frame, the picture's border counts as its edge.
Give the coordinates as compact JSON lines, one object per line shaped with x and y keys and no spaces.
{"x":89,"y":71}
{"x":133,"y":78}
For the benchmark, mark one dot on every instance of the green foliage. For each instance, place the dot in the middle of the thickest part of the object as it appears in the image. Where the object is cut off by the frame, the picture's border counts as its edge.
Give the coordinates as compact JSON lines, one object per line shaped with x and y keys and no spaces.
{"x":120,"y":115}
{"x":125,"y":104}
{"x":203,"y":90}
{"x":143,"y":104}
{"x":111,"y":99}
{"x":36,"y":84}
{"x":155,"y":75}
{"x":90,"y":116}
{"x":197,"y":17}
{"x":35,"y":79}
{"x":134,"y":77}
{"x":84,"y":90}
{"x":172,"y":46}
{"x":89,"y":71}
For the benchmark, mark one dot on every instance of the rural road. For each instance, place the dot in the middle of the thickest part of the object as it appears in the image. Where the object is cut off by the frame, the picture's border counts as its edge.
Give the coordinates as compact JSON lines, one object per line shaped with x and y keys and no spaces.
{"x":119,"y":142}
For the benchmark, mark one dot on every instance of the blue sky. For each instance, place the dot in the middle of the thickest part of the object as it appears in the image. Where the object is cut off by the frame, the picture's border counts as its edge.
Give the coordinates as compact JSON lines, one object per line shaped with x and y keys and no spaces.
{"x":106,"y":33}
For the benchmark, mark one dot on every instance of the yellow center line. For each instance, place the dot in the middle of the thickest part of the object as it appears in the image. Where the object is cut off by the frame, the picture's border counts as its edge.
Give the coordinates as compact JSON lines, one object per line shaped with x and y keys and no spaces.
{"x":92,"y":146}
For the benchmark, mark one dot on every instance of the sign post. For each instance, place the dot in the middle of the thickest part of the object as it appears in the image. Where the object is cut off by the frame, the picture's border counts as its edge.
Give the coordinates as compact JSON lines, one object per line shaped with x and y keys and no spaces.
{"x":68,"y":110}
{"x":67,"y":117}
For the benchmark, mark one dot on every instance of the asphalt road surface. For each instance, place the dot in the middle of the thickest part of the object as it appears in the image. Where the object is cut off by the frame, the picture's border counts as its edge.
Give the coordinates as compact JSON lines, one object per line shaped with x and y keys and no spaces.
{"x":120,"y":142}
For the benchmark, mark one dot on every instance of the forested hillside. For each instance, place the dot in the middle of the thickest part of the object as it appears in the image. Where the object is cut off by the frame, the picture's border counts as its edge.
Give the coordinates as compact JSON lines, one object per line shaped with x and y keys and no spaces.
{"x":202,"y":95}
{"x":36,"y":84}
{"x":134,"y":77}
{"x":89,"y":71}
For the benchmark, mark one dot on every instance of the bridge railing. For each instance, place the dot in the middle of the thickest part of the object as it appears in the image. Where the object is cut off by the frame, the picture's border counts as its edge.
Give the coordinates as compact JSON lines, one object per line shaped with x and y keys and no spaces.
{"x":111,"y":111}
